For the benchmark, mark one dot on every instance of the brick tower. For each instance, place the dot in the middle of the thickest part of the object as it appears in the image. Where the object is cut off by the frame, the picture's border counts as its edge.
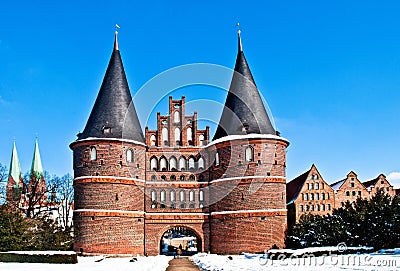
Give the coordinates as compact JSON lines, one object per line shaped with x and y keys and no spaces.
{"x":133,"y":192}
{"x":109,"y":170}
{"x":248,"y":183}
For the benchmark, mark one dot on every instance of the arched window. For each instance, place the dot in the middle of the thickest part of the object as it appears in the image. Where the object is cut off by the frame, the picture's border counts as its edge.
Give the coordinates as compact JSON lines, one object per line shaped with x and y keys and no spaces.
{"x":162,"y":195}
{"x":192,"y":178}
{"x":172,"y":195}
{"x":182,"y":163}
{"x":153,"y":177}
{"x":163,"y":164}
{"x":182,"y":195}
{"x":201,"y":195}
{"x":153,"y":164}
{"x":191,"y":163}
{"x":176,"y":117}
{"x":189,"y":136}
{"x":201,"y":163}
{"x":172,"y":178}
{"x":93,"y":154}
{"x":152,"y":140}
{"x":191,"y":195}
{"x":177,"y":136}
{"x":129,"y":156}
{"x":182,"y":177}
{"x":164,"y":133}
{"x":153,"y":195}
{"x":249,"y":154}
{"x":201,"y":140}
{"x":216,"y":159}
{"x":172,"y":163}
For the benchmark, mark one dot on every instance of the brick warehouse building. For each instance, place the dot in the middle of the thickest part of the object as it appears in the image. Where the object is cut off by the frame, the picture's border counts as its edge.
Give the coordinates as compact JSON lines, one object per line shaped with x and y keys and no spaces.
{"x":131,"y":189}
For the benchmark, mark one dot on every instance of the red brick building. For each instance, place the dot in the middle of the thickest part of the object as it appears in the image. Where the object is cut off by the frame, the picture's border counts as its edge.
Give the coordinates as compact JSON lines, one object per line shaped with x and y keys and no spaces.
{"x":308,"y":193}
{"x":379,"y":183}
{"x":349,"y":189}
{"x":132,"y":189}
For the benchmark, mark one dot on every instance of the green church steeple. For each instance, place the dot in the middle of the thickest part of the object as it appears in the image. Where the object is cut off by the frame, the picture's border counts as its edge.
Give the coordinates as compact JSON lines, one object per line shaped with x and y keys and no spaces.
{"x":15,"y":167}
{"x":36,"y":162}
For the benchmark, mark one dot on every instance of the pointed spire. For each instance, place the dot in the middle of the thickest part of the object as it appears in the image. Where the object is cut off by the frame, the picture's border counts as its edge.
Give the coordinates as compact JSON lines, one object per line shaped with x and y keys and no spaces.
{"x":240,"y":48}
{"x":15,"y":167}
{"x":116,"y":41}
{"x":37,"y":161}
{"x":244,"y":111}
{"x":114,"y":114}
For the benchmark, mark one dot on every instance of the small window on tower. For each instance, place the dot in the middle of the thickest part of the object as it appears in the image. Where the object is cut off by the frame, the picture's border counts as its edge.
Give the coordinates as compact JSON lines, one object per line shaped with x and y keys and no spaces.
{"x":93,"y":154}
{"x":106,"y":130}
{"x":249,"y":154}
{"x":216,"y":159}
{"x":129,"y":156}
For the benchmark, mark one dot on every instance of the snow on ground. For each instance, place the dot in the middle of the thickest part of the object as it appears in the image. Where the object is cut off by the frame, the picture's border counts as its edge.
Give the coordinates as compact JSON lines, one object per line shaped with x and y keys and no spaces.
{"x":248,"y":262}
{"x":156,"y":263}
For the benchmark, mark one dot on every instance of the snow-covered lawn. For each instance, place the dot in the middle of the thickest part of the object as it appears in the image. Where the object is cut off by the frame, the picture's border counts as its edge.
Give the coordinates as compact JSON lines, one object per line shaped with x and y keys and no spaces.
{"x":156,"y":263}
{"x":369,"y":262}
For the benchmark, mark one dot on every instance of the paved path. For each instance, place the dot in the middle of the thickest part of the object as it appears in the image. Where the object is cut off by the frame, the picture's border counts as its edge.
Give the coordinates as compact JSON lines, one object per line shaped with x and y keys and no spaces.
{"x":182,"y":264}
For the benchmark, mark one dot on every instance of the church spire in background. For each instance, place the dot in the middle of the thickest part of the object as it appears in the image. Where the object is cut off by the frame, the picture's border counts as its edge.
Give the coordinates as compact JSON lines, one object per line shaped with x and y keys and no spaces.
{"x":15,"y":167}
{"x":37,"y":161}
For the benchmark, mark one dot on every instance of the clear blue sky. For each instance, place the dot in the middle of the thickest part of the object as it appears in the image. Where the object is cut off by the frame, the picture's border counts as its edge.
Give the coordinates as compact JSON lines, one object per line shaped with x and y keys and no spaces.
{"x":330,"y":71}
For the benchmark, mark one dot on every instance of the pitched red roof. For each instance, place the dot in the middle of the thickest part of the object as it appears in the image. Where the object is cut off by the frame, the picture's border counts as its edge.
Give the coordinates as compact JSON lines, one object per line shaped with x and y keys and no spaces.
{"x":371,"y":182}
{"x":294,"y":186}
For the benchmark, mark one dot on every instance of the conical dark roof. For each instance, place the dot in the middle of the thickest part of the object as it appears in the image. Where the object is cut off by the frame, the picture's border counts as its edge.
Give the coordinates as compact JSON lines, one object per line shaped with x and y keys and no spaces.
{"x":244,"y":111}
{"x":113,"y":114}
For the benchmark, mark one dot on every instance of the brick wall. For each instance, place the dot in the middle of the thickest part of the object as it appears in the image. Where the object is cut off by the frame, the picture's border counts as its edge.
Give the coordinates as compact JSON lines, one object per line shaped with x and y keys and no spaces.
{"x":315,"y":197}
{"x":382,"y":184}
{"x":233,"y":235}
{"x":108,"y":194}
{"x":350,"y":190}
{"x":110,"y":160}
{"x":108,"y":233}
{"x":269,"y":158}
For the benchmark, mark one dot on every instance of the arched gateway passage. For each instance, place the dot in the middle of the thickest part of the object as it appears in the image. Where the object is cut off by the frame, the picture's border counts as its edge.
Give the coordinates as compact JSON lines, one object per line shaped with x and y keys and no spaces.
{"x":180,"y":238}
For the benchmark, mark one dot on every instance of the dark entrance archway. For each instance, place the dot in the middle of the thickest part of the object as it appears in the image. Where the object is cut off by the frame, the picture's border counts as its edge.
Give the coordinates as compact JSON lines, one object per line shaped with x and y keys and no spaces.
{"x":180,"y":239}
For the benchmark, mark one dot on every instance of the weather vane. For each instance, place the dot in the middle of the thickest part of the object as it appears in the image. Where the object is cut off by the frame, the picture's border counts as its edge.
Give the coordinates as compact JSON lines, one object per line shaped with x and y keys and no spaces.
{"x":117,"y":27}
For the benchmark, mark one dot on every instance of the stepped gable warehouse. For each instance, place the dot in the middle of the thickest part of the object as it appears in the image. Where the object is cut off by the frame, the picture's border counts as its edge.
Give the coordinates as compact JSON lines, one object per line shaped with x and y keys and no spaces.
{"x":132,"y":190}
